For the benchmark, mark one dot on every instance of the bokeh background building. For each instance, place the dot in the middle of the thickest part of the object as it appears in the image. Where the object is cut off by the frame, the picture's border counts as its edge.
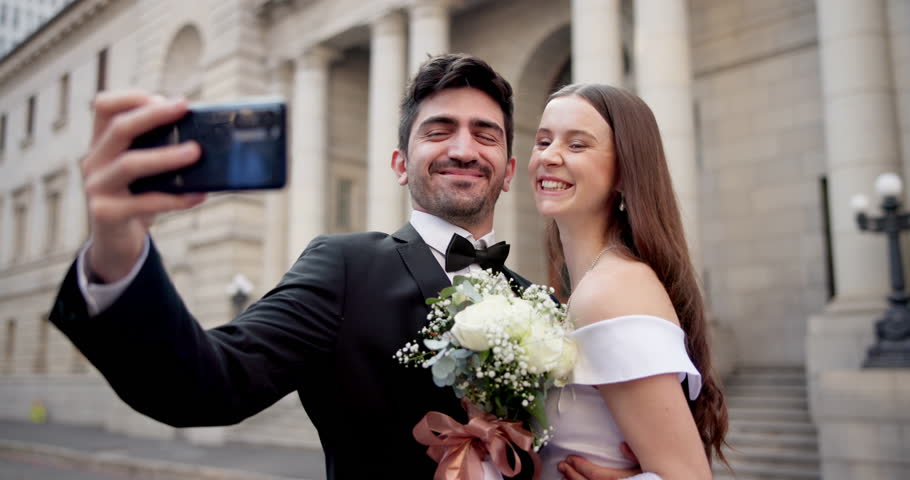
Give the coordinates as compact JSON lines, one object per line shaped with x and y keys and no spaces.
{"x":773,"y":112}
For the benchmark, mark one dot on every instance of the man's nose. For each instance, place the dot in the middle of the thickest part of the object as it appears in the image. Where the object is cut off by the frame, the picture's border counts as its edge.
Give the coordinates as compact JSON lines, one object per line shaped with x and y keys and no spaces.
{"x":463,"y":147}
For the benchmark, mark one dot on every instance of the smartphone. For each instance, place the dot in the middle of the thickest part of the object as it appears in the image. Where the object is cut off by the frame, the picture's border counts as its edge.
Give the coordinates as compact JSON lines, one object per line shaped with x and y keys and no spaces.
{"x":244,"y":147}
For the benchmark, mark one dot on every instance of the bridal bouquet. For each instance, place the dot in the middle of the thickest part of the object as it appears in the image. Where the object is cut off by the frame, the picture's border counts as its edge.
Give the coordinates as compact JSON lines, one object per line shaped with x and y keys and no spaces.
{"x":500,"y":352}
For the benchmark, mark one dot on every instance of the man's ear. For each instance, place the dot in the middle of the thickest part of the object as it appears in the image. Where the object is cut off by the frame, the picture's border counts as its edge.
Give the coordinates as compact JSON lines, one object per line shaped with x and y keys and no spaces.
{"x":510,"y":173}
{"x":400,"y":166}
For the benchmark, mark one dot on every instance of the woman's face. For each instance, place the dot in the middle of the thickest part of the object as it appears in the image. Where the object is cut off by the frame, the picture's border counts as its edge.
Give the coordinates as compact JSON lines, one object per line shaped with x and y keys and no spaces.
{"x":573,"y":162}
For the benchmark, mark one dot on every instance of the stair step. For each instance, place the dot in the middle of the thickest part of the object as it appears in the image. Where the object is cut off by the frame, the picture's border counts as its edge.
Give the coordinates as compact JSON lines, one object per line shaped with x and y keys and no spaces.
{"x":772,"y":455}
{"x":767,"y":379}
{"x":766,"y":472}
{"x":771,"y":427}
{"x":788,"y":391}
{"x":791,"y":442}
{"x":750,"y":369}
{"x":773,"y":414}
{"x":769,"y":402}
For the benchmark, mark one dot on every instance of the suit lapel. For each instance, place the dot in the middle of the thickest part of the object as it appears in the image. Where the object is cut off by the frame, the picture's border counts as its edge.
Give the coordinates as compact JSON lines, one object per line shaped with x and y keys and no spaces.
{"x":422,"y":265}
{"x":420,"y":262}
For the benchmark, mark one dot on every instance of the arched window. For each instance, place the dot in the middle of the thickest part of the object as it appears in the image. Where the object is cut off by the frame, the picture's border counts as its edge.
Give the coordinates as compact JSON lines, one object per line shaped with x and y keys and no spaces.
{"x":182,"y":74}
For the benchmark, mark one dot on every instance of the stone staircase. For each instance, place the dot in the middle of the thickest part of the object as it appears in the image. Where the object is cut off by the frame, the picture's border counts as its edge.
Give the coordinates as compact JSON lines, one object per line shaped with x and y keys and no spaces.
{"x":771,"y":435}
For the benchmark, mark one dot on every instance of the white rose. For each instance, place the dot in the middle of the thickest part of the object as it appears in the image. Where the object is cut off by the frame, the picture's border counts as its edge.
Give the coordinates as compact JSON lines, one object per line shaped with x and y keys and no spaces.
{"x":543,"y":347}
{"x":473,"y":323}
{"x":566,"y":362}
{"x":523,"y":315}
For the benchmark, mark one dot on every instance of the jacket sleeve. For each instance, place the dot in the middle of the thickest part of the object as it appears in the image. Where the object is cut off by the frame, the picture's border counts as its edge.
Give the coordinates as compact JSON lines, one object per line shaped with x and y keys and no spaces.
{"x":163,"y":364}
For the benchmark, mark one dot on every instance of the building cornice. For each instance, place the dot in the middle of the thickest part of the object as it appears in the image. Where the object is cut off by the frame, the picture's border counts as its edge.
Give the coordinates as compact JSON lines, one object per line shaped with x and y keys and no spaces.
{"x":68,"y":21}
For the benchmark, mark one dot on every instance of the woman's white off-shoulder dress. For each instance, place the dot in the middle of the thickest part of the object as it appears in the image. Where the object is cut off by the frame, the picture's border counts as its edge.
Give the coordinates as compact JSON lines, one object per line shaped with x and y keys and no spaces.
{"x":610,"y":351}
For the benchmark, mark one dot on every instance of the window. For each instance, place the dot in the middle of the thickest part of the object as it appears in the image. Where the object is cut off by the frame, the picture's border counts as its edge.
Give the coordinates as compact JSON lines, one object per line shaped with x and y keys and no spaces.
{"x":344,"y":200}
{"x":53,"y":187}
{"x":102,"y":70}
{"x":79,"y":363}
{"x":20,"y":223}
{"x":20,"y":232}
{"x":2,"y":133}
{"x":53,"y":221}
{"x":40,"y":365}
{"x":9,"y":346}
{"x":30,"y":117}
{"x":64,"y":99}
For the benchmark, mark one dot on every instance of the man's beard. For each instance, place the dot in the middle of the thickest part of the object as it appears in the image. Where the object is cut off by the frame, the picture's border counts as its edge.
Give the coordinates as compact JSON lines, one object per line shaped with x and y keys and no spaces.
{"x":457,"y":207}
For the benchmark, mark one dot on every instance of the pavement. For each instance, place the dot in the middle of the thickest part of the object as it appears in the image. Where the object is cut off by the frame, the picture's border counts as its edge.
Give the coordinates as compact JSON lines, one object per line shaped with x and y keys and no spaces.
{"x":52,"y":451}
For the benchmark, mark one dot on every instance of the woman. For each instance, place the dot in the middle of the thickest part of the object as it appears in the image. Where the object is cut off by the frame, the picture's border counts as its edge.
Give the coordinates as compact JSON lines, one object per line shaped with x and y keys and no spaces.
{"x":598,"y":170}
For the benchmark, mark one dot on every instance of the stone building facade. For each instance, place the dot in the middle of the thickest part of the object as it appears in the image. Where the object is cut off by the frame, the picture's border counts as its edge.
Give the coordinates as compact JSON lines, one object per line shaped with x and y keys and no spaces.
{"x":773,"y":113}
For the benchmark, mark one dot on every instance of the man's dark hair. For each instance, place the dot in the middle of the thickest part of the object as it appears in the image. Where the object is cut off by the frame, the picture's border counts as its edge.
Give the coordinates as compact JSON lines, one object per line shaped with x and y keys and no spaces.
{"x":454,"y":70}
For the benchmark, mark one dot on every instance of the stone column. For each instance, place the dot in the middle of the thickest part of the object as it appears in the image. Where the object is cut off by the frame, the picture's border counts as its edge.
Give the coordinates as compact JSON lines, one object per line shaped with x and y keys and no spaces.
{"x":385,"y":198}
{"x":597,"y":42}
{"x":429,"y":31}
{"x":861,"y":143}
{"x":861,"y":137}
{"x":899,"y":27}
{"x":664,"y":80}
{"x":309,"y":155}
{"x":275,"y":242}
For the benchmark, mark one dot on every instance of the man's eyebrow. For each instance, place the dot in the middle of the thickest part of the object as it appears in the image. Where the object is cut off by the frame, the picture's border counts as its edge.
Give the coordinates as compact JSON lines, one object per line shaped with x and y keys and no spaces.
{"x":480,"y":123}
{"x":438,"y":119}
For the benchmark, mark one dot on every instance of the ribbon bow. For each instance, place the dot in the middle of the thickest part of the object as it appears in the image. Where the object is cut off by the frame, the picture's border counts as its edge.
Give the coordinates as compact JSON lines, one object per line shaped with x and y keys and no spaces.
{"x":460,"y":449}
{"x":460,"y":253}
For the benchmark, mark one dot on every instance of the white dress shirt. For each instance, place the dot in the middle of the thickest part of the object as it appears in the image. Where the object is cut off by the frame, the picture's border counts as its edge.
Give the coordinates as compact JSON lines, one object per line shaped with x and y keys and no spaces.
{"x":435,"y":231}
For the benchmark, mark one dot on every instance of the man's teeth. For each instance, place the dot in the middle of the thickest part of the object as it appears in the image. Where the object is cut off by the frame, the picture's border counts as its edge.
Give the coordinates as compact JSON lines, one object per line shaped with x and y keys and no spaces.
{"x":553,"y":185}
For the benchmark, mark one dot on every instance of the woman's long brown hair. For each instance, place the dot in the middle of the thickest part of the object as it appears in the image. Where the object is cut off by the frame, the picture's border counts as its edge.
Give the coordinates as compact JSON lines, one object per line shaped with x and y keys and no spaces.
{"x":651,"y":229}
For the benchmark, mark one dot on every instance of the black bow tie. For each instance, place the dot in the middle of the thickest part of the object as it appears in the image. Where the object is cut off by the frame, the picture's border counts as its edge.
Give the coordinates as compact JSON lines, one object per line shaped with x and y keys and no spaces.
{"x":461,"y":253}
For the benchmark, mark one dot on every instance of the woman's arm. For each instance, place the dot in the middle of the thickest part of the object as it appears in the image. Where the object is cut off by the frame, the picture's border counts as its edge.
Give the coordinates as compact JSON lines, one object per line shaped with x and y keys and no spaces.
{"x":651,"y":412}
{"x":655,"y":421}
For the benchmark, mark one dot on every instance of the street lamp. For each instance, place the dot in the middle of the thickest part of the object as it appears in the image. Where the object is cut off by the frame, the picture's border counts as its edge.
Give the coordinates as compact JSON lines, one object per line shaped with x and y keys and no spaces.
{"x":239,"y":292}
{"x":892,"y":331}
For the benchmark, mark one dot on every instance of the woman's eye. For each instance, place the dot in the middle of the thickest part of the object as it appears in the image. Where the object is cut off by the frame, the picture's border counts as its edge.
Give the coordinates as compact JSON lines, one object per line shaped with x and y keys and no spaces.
{"x":577,"y":146}
{"x":542,"y":143}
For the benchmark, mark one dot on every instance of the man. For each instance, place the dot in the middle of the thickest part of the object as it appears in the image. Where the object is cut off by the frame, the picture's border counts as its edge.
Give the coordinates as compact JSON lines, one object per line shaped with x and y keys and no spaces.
{"x":330,"y":328}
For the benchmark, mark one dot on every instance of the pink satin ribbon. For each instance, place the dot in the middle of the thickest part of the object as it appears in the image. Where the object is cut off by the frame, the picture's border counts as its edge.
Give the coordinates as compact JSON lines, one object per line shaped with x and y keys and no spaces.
{"x":460,"y":449}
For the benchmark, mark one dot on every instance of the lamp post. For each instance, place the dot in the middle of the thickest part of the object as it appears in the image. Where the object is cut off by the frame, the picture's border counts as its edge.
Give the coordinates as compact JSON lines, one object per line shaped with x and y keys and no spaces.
{"x":239,"y":292}
{"x":892,"y":331}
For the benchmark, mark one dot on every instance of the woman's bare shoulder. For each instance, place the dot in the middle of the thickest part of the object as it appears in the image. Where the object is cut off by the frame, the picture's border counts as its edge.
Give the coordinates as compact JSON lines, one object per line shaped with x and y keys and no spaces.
{"x":619,"y":287}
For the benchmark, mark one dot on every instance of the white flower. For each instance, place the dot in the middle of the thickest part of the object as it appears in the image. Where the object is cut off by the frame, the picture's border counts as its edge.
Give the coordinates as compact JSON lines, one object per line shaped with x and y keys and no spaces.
{"x":522,"y":315}
{"x":543,"y":346}
{"x":565,"y":363}
{"x":473,"y":324}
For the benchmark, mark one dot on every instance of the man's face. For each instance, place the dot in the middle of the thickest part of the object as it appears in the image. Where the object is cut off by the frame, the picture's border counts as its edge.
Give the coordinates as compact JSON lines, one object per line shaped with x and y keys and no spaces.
{"x":457,"y":161}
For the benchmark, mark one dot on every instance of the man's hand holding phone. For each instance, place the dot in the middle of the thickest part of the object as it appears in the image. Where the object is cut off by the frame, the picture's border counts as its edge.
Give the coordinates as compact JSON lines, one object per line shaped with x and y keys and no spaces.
{"x":120,"y":220}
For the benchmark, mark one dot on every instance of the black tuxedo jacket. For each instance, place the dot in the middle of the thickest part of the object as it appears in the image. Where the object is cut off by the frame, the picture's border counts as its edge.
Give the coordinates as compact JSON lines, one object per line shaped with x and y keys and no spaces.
{"x":328,"y":330}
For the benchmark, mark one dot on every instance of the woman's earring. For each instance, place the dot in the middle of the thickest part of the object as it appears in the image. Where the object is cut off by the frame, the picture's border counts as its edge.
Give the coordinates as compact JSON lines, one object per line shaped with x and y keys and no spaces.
{"x":622,"y":203}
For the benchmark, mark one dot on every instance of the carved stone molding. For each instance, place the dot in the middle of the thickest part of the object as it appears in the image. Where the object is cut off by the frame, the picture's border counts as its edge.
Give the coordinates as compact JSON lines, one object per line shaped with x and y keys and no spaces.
{"x":72,"y":18}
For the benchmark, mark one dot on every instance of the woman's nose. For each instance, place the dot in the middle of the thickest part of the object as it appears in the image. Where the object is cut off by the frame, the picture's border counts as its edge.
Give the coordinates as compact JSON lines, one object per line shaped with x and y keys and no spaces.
{"x":550,"y":156}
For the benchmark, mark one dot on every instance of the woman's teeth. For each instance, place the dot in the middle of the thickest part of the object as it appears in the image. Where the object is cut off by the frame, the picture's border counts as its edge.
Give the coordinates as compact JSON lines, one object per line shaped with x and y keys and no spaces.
{"x":553,"y":185}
